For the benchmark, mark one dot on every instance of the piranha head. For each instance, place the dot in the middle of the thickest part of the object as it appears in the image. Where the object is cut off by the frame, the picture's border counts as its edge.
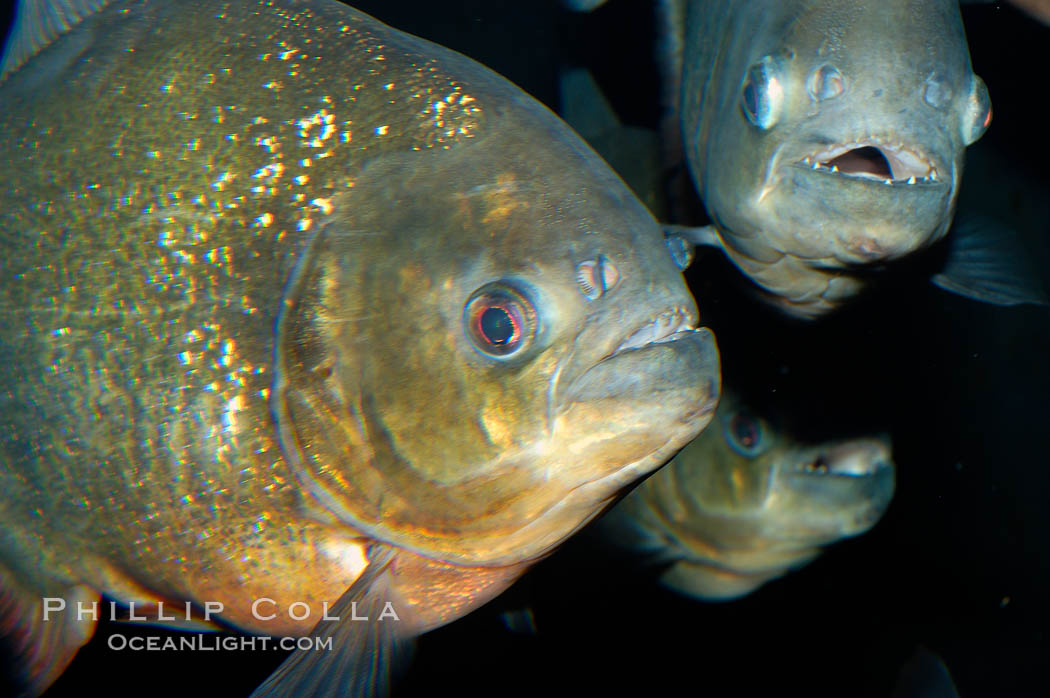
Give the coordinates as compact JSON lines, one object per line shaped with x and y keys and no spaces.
{"x":760,"y":503}
{"x":836,"y":131}
{"x":485,"y":344}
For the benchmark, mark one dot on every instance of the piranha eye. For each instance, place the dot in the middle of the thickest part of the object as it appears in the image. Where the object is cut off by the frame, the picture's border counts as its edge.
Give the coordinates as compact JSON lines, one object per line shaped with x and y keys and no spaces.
{"x":681,"y":251}
{"x":762,"y":97}
{"x":745,"y":434}
{"x":826,"y":82}
{"x":978,"y":112}
{"x":500,"y":320}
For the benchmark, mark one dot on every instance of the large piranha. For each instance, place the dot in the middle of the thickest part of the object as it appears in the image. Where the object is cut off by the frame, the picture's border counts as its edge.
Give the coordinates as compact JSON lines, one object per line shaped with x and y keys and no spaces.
{"x":303,"y":314}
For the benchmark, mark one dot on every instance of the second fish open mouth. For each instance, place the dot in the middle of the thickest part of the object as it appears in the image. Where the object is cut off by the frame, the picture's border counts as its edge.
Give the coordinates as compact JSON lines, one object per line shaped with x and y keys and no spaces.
{"x":869,"y":159}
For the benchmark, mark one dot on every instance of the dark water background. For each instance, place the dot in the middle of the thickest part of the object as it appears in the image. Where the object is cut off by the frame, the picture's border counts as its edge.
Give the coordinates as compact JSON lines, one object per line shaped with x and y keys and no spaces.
{"x":960,"y":564}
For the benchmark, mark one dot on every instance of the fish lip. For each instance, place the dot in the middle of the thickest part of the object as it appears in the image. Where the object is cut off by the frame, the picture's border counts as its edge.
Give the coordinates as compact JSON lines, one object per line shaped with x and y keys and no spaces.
{"x":909,"y":164}
{"x":877,"y":468}
{"x":668,"y":326}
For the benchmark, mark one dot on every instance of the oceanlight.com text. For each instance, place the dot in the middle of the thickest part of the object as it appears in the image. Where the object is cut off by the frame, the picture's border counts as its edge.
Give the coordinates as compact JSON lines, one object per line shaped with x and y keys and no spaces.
{"x":215,"y":643}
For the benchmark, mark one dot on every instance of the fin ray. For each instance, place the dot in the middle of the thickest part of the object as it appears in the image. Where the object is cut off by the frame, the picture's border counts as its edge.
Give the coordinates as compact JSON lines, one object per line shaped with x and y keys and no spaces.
{"x":584,"y":105}
{"x":38,"y":650}
{"x":987,"y":262}
{"x":699,"y":236}
{"x":363,"y":655}
{"x":40,"y":22}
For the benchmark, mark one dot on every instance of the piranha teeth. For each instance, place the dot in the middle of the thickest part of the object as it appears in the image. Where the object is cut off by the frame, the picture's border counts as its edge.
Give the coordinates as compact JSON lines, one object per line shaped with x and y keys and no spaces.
{"x":911,"y":180}
{"x":665,"y":328}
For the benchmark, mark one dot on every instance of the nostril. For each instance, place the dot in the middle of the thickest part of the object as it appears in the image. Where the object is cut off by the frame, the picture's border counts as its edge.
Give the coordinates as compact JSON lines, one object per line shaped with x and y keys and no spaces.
{"x":596,"y":277}
{"x":820,"y":465}
{"x":937,"y":92}
{"x":826,"y":82}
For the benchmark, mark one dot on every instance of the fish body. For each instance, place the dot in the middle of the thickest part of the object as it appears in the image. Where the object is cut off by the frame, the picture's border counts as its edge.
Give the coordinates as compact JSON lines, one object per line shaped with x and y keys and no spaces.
{"x":825,"y":137}
{"x":745,"y":503}
{"x":303,"y":308}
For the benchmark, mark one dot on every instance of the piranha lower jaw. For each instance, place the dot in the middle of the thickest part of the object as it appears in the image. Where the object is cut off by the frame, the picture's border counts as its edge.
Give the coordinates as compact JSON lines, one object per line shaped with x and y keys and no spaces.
{"x":873,"y":159}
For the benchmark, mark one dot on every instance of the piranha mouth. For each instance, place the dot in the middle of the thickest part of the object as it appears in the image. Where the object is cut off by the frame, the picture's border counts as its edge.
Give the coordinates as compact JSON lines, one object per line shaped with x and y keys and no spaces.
{"x":888,"y":163}
{"x":667,"y":327}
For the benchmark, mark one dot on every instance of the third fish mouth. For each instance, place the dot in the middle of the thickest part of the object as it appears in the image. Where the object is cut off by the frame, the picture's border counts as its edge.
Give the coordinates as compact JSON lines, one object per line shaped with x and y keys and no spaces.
{"x":870,"y":159}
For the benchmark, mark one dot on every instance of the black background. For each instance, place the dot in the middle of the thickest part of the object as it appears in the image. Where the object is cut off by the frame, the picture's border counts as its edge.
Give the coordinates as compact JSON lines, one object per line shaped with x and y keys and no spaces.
{"x":960,"y":563}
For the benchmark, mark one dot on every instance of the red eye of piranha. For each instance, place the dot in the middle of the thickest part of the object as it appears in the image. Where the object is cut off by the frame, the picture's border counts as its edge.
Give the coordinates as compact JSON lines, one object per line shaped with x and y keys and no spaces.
{"x":500,"y":320}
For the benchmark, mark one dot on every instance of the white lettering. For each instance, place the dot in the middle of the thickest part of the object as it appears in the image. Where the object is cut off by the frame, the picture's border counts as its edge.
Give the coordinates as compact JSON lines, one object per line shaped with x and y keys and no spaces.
{"x":160,"y":612}
{"x":291,"y":612}
{"x":388,"y":612}
{"x":212,"y":607}
{"x":255,"y":609}
{"x":324,"y":612}
{"x":131,"y":612}
{"x":48,"y":606}
{"x":81,"y":612}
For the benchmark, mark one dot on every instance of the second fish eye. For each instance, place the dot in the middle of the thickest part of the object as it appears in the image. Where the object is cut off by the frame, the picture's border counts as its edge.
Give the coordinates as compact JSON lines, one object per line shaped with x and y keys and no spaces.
{"x":978,"y":112}
{"x":762,"y":94}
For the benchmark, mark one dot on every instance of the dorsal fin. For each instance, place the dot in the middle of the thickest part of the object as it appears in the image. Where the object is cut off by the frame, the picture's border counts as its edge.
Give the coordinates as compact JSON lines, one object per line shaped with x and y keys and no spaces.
{"x":38,"y":23}
{"x":584,"y":106}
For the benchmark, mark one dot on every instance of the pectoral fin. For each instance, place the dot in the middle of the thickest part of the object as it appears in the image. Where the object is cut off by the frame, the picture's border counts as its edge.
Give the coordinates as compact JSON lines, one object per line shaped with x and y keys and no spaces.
{"x":584,"y":106}
{"x":38,"y":23}
{"x":924,"y":676}
{"x":583,"y":5}
{"x":363,"y":654}
{"x":520,"y":621}
{"x":152,"y":616}
{"x":41,"y":631}
{"x":704,"y":235}
{"x":988,"y":262}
